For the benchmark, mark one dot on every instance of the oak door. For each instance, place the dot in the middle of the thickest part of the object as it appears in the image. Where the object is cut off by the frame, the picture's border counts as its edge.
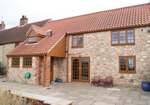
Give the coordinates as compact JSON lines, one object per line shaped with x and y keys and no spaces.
{"x":80,"y":69}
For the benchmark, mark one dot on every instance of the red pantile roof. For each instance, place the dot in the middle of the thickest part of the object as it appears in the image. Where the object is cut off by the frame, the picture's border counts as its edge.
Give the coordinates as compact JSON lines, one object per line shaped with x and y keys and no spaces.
{"x":126,"y":17}
{"x":18,"y":33}
{"x":40,"y":30}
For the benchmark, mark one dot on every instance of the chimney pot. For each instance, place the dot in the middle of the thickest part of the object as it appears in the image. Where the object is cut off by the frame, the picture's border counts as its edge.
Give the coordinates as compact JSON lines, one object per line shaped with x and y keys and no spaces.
{"x":23,"y":20}
{"x":2,"y":26}
{"x":49,"y":33}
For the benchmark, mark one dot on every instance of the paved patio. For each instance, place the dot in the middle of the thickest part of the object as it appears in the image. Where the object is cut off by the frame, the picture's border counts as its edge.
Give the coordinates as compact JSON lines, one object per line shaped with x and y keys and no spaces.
{"x":84,"y":94}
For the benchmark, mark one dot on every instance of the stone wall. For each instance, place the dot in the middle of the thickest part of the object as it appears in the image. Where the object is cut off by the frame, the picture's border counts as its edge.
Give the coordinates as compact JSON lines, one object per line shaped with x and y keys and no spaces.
{"x":17,"y":74}
{"x":60,"y":70}
{"x":104,"y":58}
{"x":4,"y":49}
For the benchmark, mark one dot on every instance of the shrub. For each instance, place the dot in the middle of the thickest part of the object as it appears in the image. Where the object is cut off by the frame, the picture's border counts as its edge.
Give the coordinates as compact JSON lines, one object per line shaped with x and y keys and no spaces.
{"x":2,"y":70}
{"x":6,"y":98}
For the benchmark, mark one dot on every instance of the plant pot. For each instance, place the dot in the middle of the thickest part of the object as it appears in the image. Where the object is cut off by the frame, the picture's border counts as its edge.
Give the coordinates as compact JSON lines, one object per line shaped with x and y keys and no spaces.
{"x":58,"y":80}
{"x":145,"y":86}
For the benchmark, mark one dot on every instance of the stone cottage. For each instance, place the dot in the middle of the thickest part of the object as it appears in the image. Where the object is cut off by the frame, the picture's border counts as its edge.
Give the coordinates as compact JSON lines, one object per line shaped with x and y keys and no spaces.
{"x":113,"y":42}
{"x":10,"y":38}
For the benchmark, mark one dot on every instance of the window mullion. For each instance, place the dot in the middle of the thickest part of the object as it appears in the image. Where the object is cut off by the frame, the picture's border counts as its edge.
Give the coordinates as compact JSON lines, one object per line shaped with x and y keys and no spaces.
{"x":77,"y":40}
{"x":118,"y":37}
{"x":127,"y":63}
{"x":126,"y":36}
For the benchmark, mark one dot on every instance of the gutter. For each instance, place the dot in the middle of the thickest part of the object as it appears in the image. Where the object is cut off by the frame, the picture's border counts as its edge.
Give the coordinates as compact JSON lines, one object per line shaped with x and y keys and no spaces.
{"x":107,"y":29}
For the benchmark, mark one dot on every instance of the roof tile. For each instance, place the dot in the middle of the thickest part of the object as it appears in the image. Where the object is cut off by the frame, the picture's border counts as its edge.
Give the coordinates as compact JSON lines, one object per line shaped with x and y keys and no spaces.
{"x":126,"y":17}
{"x":17,"y":34}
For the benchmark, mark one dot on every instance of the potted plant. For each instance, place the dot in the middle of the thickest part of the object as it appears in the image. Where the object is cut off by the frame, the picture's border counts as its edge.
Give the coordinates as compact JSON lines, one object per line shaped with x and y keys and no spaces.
{"x":146,"y":84}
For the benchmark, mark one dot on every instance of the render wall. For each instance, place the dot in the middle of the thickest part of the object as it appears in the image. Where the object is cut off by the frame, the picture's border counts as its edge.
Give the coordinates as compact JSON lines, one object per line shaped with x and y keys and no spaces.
{"x":4,"y":49}
{"x":17,"y":74}
{"x":104,"y":58}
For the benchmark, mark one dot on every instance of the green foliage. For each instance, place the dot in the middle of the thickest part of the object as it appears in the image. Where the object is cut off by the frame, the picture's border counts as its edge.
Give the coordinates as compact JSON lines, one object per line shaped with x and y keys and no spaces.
{"x":7,"y":98}
{"x":2,"y":70}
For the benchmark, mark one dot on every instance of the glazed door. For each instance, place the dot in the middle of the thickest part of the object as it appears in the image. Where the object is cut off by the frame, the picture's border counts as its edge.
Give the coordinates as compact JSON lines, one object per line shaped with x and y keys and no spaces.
{"x":81,"y":69}
{"x":51,"y":70}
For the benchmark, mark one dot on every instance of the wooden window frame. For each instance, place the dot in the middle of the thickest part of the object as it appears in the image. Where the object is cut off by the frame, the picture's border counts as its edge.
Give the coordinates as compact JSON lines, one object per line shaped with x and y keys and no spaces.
{"x":127,"y":71}
{"x":77,"y":46}
{"x":15,"y":65}
{"x":126,"y":35}
{"x":32,"y":41}
{"x":27,"y":66}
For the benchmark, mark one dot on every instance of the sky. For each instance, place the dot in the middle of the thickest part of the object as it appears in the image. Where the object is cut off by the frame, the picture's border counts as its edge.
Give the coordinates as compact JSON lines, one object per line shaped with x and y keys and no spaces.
{"x":36,"y":10}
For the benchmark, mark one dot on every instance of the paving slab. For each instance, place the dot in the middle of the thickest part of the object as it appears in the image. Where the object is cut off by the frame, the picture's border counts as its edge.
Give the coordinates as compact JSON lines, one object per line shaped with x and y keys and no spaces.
{"x":140,"y":102}
{"x":115,"y":101}
{"x":128,"y":101}
{"x":85,"y":102}
{"x":84,"y":94}
{"x":102,"y":103}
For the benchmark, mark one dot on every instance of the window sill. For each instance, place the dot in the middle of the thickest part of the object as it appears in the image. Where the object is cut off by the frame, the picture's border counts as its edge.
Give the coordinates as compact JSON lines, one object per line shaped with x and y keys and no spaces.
{"x":123,"y":44}
{"x":128,"y":72}
{"x":15,"y":66}
{"x":27,"y":66}
{"x":77,"y":47}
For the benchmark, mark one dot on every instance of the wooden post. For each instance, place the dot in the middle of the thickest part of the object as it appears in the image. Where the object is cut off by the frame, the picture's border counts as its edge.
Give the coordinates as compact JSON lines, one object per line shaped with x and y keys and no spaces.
{"x":67,"y":55}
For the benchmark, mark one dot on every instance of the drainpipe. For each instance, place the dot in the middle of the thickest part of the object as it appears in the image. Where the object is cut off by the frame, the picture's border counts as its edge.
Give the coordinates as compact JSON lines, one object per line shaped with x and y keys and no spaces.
{"x":44,"y":72}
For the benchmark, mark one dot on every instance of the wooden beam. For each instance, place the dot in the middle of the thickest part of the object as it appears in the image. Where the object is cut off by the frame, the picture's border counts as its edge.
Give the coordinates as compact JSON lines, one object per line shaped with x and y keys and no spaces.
{"x":67,"y":55}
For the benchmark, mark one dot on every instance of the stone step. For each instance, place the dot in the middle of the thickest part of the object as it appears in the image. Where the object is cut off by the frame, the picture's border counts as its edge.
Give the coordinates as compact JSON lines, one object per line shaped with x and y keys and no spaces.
{"x":44,"y":99}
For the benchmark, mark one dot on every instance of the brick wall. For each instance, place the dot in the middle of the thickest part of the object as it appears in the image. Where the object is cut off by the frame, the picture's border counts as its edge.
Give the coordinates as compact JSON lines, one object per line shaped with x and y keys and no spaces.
{"x":47,"y":70}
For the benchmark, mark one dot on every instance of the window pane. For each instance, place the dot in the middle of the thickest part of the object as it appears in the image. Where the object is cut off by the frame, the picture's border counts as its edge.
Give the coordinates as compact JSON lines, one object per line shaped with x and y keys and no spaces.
{"x":32,"y":39}
{"x":84,"y":70}
{"x":75,"y":69}
{"x":74,"y":40}
{"x":122,"y":37}
{"x":123,"y":64}
{"x":114,"y":37}
{"x":27,"y":61}
{"x":15,"y":61}
{"x":130,"y":36}
{"x":131,"y":64}
{"x":80,"y":40}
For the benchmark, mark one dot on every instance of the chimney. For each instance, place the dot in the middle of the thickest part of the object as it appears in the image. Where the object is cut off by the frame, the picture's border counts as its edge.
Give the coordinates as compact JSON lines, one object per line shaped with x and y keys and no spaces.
{"x":49,"y":33}
{"x":23,"y":20}
{"x":2,"y":26}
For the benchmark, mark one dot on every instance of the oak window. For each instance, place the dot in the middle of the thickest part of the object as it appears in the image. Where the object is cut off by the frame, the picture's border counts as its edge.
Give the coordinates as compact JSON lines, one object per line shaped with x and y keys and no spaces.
{"x":123,"y":37}
{"x":15,"y":62}
{"x":27,"y":62}
{"x":77,"y":41}
{"x":127,"y":64}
